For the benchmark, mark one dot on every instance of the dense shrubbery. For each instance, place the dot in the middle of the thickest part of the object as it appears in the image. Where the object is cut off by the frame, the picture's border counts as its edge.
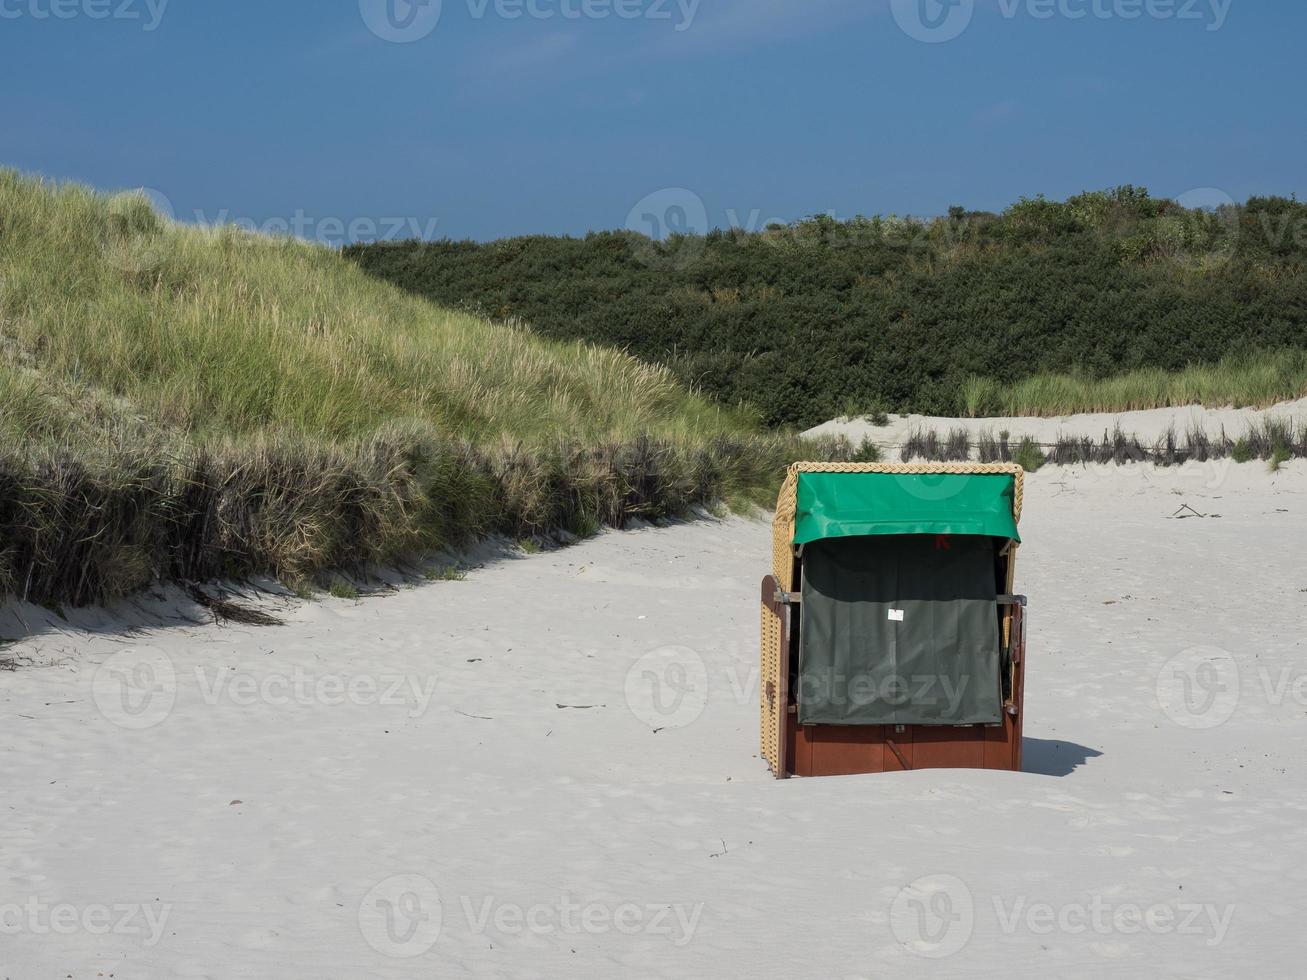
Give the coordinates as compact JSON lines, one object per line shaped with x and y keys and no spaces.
{"x":824,"y":318}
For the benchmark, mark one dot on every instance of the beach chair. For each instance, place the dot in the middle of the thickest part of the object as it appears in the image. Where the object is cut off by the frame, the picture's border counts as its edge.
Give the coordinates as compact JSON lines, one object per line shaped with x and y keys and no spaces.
{"x":891,"y":635}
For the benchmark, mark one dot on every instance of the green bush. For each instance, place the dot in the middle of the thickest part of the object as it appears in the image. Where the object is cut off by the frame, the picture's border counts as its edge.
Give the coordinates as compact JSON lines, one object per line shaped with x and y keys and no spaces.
{"x":1029,"y":456}
{"x":810,"y":321}
{"x":867,"y":452}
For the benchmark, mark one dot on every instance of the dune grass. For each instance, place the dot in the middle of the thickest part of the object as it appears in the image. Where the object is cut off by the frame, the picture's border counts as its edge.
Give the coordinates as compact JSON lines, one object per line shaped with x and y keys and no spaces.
{"x":1252,"y":381}
{"x":1275,"y":441}
{"x":191,"y":403}
{"x":222,"y":332}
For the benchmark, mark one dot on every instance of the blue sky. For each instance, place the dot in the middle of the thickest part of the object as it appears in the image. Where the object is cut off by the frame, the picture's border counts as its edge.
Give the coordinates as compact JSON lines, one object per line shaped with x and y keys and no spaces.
{"x":498,"y":118}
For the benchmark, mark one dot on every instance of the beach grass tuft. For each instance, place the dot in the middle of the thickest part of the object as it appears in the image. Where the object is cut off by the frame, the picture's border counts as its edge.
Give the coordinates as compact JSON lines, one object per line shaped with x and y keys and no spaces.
{"x":1274,"y":440}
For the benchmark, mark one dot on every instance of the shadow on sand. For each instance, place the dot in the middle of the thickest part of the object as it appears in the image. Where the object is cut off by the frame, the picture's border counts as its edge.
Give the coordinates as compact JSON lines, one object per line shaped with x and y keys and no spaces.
{"x":1050,"y":757}
{"x":261,"y":601}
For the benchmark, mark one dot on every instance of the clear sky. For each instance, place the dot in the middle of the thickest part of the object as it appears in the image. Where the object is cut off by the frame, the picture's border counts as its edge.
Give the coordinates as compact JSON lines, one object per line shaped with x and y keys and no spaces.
{"x":487,"y":118}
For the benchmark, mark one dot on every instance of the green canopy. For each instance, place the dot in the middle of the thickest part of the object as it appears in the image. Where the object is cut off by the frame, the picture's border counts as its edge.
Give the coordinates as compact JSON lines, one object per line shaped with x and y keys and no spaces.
{"x":843,"y":505}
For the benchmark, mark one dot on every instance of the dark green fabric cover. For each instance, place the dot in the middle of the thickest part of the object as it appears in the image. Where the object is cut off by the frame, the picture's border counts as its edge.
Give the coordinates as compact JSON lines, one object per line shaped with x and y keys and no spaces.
{"x":839,"y":505}
{"x":939,"y":665}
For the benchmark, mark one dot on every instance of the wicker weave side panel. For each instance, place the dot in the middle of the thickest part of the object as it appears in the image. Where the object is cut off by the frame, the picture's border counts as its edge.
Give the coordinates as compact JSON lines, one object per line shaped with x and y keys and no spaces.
{"x":769,"y":689}
{"x":782,"y":558}
{"x":783,"y":531}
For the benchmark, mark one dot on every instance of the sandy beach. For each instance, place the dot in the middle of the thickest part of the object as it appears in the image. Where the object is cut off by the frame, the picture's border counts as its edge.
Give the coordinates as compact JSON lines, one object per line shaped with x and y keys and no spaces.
{"x":452,"y":523}
{"x":550,"y":769}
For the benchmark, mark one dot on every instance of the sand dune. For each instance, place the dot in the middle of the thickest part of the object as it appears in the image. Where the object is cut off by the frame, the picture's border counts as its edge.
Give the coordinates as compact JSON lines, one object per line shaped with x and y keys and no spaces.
{"x":550,"y":770}
{"x":1148,"y":425}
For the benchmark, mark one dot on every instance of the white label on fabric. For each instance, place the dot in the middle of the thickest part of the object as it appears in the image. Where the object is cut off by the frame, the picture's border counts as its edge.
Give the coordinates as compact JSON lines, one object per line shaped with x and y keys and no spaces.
{"x":896,"y":615}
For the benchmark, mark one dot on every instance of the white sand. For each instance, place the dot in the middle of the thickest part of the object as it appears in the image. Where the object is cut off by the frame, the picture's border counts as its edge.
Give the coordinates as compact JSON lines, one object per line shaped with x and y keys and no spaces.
{"x":589,"y":825}
{"x":1149,"y":426}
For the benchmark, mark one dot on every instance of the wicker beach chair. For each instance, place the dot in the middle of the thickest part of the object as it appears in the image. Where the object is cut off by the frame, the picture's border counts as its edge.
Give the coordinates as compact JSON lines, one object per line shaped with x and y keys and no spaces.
{"x":891,"y":635}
